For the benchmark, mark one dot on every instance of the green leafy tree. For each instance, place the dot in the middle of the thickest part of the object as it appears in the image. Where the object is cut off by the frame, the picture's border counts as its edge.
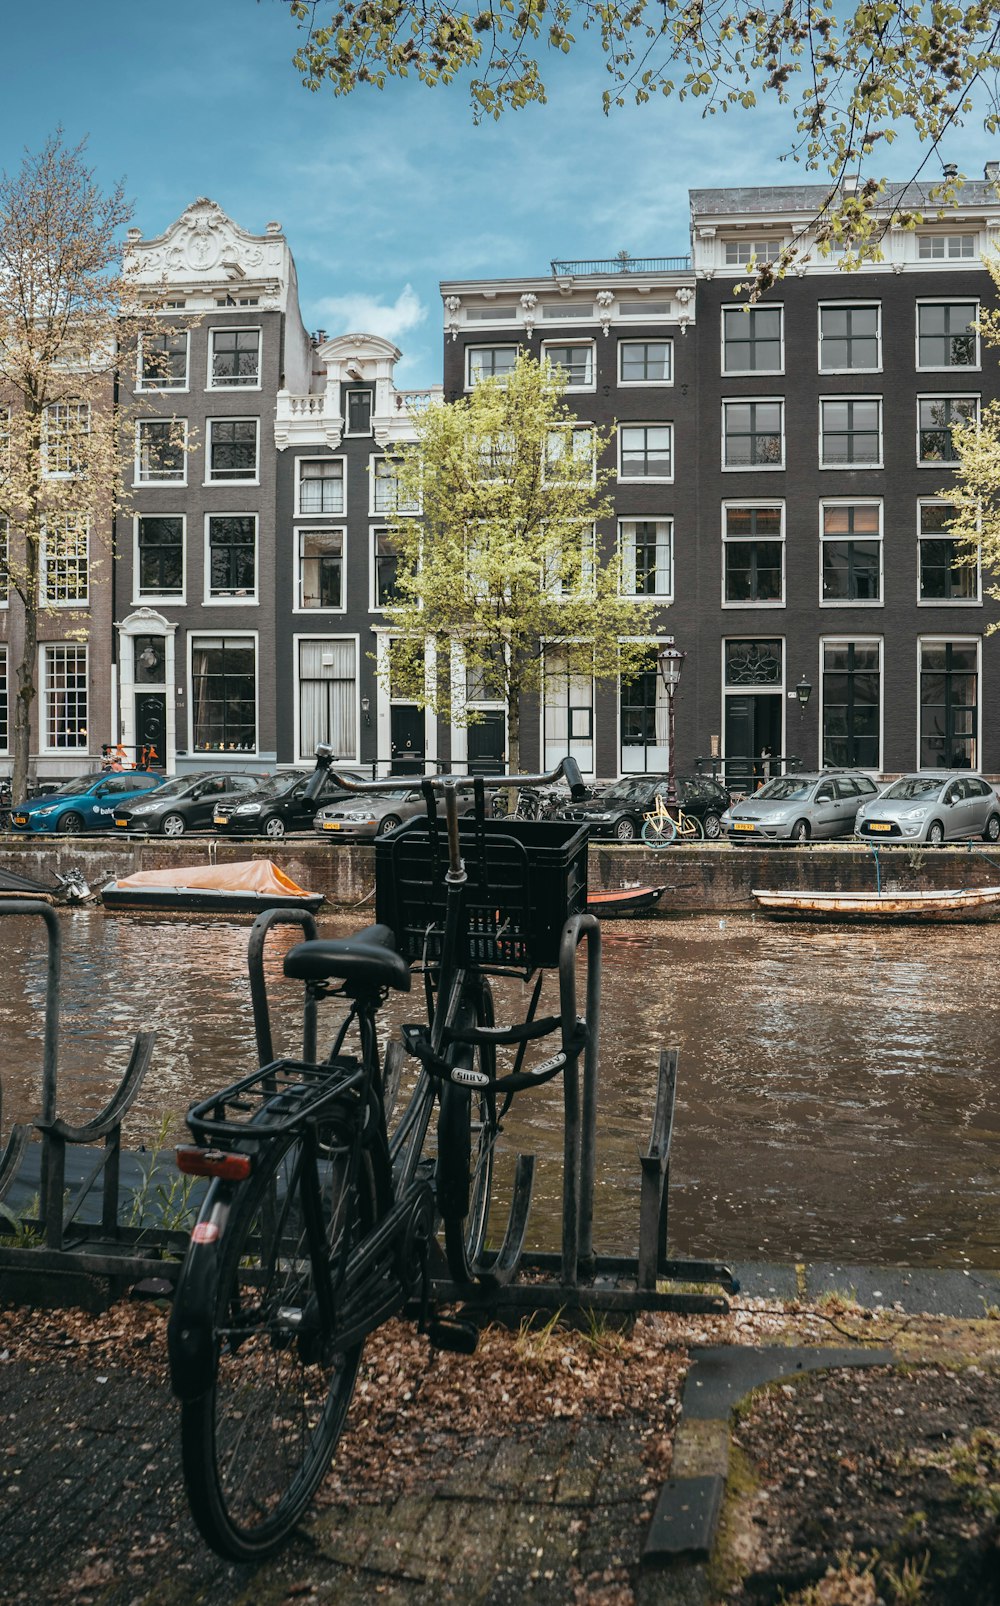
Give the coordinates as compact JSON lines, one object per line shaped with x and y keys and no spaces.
{"x":849,"y":78}
{"x":503,"y":559}
{"x":975,"y":494}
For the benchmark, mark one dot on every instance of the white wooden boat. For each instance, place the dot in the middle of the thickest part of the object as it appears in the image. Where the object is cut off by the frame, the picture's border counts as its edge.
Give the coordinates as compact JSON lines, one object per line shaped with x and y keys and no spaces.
{"x":962,"y":903}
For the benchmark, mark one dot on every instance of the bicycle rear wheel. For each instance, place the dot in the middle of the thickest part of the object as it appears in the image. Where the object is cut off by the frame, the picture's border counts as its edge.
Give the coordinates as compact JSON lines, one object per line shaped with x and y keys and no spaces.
{"x":467,"y":1135}
{"x":656,"y":836}
{"x":256,"y":1446}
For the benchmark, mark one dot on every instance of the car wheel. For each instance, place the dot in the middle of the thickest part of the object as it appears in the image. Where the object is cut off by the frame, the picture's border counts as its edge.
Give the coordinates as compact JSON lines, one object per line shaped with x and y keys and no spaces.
{"x":70,"y":823}
{"x":712,"y":827}
{"x":388,"y":824}
{"x":992,"y":832}
{"x":625,"y":830}
{"x":935,"y":833}
{"x":274,"y":827}
{"x":800,"y":831}
{"x":173,"y":825}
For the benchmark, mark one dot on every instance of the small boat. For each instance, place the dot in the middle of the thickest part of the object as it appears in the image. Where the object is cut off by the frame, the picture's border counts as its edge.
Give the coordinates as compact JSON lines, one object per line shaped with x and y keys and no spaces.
{"x":13,"y":885}
{"x":244,"y":888}
{"x":623,"y":901}
{"x":963,"y":903}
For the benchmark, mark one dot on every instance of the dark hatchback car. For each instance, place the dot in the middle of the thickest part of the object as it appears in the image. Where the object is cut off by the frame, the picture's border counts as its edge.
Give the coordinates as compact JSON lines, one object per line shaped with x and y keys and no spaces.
{"x":277,"y":806}
{"x":617,"y":810}
{"x":187,"y":803}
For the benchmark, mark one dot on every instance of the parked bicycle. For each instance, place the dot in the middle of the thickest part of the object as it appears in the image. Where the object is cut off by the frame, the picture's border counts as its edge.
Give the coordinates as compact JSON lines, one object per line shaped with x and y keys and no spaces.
{"x":664,"y":825}
{"x":317,"y":1226}
{"x":541,"y":803}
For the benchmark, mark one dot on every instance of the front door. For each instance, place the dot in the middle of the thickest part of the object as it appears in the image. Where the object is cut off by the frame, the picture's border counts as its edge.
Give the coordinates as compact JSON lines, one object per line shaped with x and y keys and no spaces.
{"x":406,"y":734}
{"x":151,"y":722}
{"x":486,"y":743}
{"x":753,"y":732}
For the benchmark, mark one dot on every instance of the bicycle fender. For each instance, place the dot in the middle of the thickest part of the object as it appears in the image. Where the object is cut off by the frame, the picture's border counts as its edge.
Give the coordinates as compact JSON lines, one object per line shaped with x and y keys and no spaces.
{"x":190,"y":1344}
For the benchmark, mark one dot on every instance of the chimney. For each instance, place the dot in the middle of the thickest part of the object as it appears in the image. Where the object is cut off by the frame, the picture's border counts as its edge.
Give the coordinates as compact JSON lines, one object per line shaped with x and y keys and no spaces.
{"x":991,"y":172}
{"x":950,"y":170}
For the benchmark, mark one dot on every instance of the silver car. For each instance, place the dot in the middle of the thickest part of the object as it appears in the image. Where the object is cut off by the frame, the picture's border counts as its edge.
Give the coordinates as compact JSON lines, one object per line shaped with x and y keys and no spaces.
{"x":793,"y":808}
{"x":364,"y":816}
{"x":932,"y":806}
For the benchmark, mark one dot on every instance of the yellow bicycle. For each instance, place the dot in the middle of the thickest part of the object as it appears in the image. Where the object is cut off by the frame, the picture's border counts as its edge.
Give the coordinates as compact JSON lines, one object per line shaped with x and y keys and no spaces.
{"x":662,"y":827}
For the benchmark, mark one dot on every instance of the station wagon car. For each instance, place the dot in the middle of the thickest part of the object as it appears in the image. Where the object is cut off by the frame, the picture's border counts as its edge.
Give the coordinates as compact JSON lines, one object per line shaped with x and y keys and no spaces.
{"x":794,"y":808}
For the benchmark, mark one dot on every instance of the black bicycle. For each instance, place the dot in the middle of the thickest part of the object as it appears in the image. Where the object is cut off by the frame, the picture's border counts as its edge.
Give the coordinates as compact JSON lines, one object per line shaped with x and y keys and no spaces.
{"x":318,"y":1225}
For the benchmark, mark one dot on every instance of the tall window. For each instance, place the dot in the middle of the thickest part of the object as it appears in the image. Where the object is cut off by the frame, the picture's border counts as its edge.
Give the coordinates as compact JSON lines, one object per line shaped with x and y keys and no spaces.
{"x":321,"y":485}
{"x":232,"y":555}
{"x":646,"y":452}
{"x":160,"y":555}
{"x":4,"y":562}
{"x":64,"y":698}
{"x":385,"y":563}
{"x":66,"y":427}
{"x":946,"y":334}
{"x":321,"y":568}
{"x":751,"y":340}
{"x":4,"y":736}
{"x":850,"y":433}
{"x":943,"y":578}
{"x":232,"y":449}
{"x":851,"y":542}
{"x":647,"y":557}
{"x":643,"y":721}
{"x":850,"y":339}
{"x":359,"y":412}
{"x":568,"y":712}
{"x":328,"y":695}
{"x":851,"y":700}
{"x":489,"y":362}
{"x":753,"y":434}
{"x":646,"y":362}
{"x":569,"y":456}
{"x":575,"y":363}
{"x":163,"y":361}
{"x":753,"y":553}
{"x":161,"y":458}
{"x":386,"y":494}
{"x":65,"y":560}
{"x":224,"y":694}
{"x":235,"y":359}
{"x":935,"y":417}
{"x":569,"y":566}
{"x":949,"y":705}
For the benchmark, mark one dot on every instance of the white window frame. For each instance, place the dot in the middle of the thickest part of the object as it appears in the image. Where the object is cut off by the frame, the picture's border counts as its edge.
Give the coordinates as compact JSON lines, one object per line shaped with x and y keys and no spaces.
{"x":647,"y":479}
{"x":745,"y":540}
{"x":160,"y":484}
{"x":589,"y":769}
{"x":579,"y":432}
{"x":942,"y":638}
{"x":220,"y":599}
{"x":47,"y":599}
{"x":947,"y":368}
{"x":501,"y":345}
{"x":856,"y":638}
{"x":375,"y":512}
{"x":589,"y":345}
{"x":748,"y":313}
{"x":931,"y":535}
{"x":320,"y":513}
{"x":319,"y":528}
{"x":359,"y":390}
{"x":5,"y":559}
{"x":748,"y":401}
{"x":628,"y":566}
{"x":44,"y":648}
{"x":850,"y":467}
{"x":657,"y":643}
{"x":233,"y":329}
{"x":164,"y":390}
{"x":5,"y":695}
{"x":82,"y":410}
{"x":227,"y":480}
{"x":298,"y":638}
{"x":943,"y":465}
{"x":645,"y":384}
{"x":374,"y":606}
{"x":558,"y":592}
{"x":251,"y":637}
{"x":853,"y":501}
{"x":142,"y":598}
{"x":930,"y":238}
{"x":755,"y":249}
{"x":848,"y":306}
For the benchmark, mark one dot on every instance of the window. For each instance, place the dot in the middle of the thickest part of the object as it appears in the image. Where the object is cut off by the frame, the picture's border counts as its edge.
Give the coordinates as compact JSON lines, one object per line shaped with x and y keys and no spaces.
{"x":321,"y":485}
{"x":232,"y":555}
{"x":160,"y":555}
{"x":935,"y":416}
{"x":234,"y":359}
{"x":385,"y":563}
{"x":850,"y":433}
{"x":646,"y":362}
{"x":496,"y":457}
{"x":232,"y":449}
{"x":943,"y":578}
{"x":568,"y":712}
{"x":850,"y":339}
{"x":386,"y":494}
{"x":646,"y":452}
{"x":753,"y":663}
{"x":224,"y":694}
{"x":359,"y":412}
{"x":574,"y":362}
{"x":321,"y":568}
{"x":947,"y":247}
{"x":66,"y":427}
{"x":946,"y":334}
{"x":489,"y":362}
{"x":492,"y":314}
{"x":851,"y":543}
{"x":163,"y":361}
{"x":752,"y":340}
{"x":740,"y":253}
{"x":569,"y":456}
{"x":65,"y":560}
{"x":852,"y":683}
{"x":328,"y":696}
{"x":161,"y":455}
{"x":642,"y":714}
{"x":644,"y":309}
{"x":4,"y":736}
{"x":64,"y":698}
{"x":646,"y":547}
{"x":949,"y":704}
{"x":753,"y":554}
{"x":4,"y":562}
{"x":753,"y":434}
{"x":569,"y":567}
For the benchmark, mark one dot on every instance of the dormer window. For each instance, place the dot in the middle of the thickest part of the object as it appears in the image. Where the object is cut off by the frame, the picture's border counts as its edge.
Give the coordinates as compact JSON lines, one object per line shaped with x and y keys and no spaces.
{"x":740,"y":253}
{"x":359,"y":412}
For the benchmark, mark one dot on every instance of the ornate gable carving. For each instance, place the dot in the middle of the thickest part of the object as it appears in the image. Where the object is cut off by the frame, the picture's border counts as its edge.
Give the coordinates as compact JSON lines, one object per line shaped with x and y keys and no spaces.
{"x":204,"y":245}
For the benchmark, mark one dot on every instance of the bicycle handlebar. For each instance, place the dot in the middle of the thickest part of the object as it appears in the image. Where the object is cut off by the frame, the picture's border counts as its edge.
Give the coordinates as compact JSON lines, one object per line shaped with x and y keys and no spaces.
{"x":567,"y":769}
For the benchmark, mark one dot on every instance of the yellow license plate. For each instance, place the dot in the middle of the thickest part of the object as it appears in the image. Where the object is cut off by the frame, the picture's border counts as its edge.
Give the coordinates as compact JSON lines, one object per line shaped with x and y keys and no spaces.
{"x":122,"y":822}
{"x":878,"y":825}
{"x":741,"y":825}
{"x":331,"y":825}
{"x":20,"y":819}
{"x":220,"y":819}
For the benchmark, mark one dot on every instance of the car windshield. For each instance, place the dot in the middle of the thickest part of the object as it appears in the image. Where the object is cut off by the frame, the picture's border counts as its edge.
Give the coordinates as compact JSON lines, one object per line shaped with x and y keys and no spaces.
{"x":175,"y":788}
{"x":626,"y":792}
{"x":277,"y":785}
{"x":82,"y":783}
{"x":912,"y":786}
{"x":784,"y":789}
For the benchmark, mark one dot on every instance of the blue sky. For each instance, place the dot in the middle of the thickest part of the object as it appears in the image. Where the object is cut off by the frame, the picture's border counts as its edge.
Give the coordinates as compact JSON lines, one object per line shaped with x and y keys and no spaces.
{"x":381,"y":195}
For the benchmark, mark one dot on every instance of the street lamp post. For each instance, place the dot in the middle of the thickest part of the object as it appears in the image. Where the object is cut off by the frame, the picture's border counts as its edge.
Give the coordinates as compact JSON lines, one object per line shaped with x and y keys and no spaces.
{"x":670,"y":661}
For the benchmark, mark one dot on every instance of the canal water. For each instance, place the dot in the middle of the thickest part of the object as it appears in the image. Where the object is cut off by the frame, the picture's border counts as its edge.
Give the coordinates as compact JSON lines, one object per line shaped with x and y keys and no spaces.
{"x":838,"y":1093}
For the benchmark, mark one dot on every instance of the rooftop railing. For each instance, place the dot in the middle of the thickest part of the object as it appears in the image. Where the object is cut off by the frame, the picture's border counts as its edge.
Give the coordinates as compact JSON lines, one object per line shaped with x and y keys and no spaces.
{"x":622,"y":263}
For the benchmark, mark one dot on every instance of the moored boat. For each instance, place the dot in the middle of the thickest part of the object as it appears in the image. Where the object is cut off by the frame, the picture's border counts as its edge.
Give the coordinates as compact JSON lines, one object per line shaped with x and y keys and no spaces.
{"x":623,"y":901}
{"x":244,"y":888}
{"x":931,"y":904}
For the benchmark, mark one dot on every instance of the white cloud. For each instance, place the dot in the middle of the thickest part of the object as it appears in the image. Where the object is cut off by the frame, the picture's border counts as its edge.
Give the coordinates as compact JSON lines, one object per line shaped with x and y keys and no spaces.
{"x":363,"y":314}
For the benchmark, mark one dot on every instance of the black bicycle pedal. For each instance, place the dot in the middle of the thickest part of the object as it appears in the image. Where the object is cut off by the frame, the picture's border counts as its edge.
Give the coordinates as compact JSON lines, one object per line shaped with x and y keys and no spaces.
{"x":461,"y":1337}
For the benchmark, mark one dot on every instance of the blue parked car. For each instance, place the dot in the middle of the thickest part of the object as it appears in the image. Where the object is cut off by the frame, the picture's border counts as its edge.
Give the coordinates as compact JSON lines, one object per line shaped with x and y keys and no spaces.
{"x":86,"y":803}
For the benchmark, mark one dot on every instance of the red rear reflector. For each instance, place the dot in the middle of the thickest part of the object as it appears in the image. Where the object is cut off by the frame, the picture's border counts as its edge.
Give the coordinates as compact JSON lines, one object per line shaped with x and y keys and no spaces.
{"x":213,"y":1163}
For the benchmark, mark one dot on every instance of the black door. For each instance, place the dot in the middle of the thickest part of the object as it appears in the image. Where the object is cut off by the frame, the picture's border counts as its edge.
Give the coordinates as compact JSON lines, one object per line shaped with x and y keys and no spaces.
{"x":151,"y":721}
{"x":486,"y":743}
{"x":753,"y":734}
{"x":406,"y":731}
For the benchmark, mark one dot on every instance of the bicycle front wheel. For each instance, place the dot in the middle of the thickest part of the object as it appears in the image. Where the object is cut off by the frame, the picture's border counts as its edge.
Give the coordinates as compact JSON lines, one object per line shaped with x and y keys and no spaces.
{"x":657,"y":836}
{"x":257,"y":1445}
{"x":467,"y":1134}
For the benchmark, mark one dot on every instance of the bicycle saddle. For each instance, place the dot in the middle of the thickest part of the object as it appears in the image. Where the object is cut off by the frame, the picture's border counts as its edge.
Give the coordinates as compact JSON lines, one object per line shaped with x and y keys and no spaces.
{"x":366,"y":961}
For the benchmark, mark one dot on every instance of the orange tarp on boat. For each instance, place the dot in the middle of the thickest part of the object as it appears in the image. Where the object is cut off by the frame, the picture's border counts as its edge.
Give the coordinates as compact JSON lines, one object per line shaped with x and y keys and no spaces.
{"x":250,"y":875}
